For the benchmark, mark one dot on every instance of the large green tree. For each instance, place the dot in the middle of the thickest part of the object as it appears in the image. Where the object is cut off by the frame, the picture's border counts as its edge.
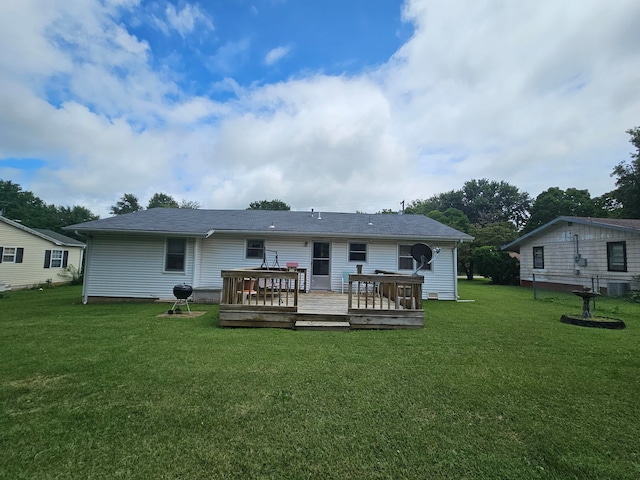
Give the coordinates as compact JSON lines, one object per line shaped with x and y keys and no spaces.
{"x":555,"y":202}
{"x":486,"y":201}
{"x":128,"y":203}
{"x":62,"y":216}
{"x":440,"y":202}
{"x":162,"y":200}
{"x":482,"y":201}
{"x":608,"y":206}
{"x":452,"y":217}
{"x":628,"y":179}
{"x":268,"y":205}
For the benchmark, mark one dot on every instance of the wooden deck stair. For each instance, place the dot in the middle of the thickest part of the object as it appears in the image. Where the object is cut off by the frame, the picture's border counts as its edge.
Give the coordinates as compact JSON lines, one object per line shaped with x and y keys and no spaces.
{"x":324,"y":325}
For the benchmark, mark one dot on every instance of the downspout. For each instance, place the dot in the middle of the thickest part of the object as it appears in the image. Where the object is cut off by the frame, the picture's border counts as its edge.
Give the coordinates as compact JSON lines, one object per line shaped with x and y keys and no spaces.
{"x":455,"y":270}
{"x":197,"y":253}
{"x":87,"y":269}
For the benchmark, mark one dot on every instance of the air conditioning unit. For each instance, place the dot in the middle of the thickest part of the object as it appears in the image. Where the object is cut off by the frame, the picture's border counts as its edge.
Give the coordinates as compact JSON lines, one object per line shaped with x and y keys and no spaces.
{"x":618,"y":289}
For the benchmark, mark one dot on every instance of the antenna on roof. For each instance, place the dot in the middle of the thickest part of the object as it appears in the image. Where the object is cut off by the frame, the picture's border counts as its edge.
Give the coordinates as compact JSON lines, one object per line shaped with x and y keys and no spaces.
{"x":319,"y":216}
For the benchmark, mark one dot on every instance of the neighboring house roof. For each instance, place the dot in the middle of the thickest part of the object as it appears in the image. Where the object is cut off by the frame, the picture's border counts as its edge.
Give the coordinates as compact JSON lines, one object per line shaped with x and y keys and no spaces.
{"x":197,"y":222}
{"x":622,"y":224}
{"x":49,"y":235}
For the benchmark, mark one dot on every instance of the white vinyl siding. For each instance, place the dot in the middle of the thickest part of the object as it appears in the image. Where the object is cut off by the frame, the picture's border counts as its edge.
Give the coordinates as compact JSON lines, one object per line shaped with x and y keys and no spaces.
{"x":134,"y":267}
{"x":227,"y":252}
{"x":383,"y":255}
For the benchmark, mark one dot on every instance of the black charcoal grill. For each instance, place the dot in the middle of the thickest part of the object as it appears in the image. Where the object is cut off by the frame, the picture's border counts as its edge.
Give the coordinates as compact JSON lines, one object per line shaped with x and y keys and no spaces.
{"x":182,"y":292}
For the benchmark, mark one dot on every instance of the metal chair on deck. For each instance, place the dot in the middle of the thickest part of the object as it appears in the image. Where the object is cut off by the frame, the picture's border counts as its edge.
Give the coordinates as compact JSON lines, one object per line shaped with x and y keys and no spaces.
{"x":345,"y":280}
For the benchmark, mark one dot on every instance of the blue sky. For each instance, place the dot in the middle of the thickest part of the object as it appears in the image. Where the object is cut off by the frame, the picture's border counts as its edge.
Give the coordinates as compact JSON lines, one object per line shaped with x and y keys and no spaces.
{"x":333,"y":105}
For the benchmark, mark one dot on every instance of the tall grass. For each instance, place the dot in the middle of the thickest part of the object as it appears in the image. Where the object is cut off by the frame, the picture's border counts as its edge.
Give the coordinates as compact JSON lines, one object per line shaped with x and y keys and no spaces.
{"x":495,"y":388}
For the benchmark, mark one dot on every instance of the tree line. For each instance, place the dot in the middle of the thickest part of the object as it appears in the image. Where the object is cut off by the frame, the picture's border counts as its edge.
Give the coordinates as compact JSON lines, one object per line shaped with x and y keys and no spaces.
{"x":130,"y":203}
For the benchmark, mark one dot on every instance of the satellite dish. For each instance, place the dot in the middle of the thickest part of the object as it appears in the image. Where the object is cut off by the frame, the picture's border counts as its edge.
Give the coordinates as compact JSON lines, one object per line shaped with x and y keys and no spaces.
{"x":422,"y":254}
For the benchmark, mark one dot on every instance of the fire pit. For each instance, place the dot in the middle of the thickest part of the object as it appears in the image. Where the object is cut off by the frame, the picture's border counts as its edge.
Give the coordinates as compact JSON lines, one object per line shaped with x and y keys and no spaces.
{"x":182,"y":292}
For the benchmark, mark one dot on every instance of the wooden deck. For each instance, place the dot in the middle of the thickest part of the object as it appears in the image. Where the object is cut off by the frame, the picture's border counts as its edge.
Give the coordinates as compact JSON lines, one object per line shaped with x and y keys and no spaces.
{"x":273,"y":298}
{"x":323,"y":311}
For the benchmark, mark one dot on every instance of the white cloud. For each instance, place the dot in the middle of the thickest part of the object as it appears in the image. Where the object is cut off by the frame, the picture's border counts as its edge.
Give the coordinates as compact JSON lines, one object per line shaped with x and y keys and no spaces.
{"x":229,"y":56}
{"x":535,"y":93}
{"x":504,"y":85}
{"x":276,"y":54}
{"x":184,"y":21}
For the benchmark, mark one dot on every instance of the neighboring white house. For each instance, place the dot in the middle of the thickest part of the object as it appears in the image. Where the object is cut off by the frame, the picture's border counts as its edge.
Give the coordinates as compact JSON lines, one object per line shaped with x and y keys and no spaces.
{"x":30,"y":256}
{"x":145,"y":254}
{"x":570,"y":252}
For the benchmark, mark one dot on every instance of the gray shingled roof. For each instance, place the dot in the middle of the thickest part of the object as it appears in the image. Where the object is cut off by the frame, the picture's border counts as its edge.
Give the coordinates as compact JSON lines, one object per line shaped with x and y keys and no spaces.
{"x":622,"y":224}
{"x":71,"y":242}
{"x":196,"y":222}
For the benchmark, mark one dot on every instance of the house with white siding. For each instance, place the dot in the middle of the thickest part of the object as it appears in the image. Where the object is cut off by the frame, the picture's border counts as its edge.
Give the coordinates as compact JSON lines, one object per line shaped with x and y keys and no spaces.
{"x":145,"y":254}
{"x":30,"y":256}
{"x":577,"y":252}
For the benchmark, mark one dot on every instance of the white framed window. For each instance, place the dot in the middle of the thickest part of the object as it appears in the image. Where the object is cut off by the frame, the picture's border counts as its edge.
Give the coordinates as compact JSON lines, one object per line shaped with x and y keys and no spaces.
{"x":255,"y":248}
{"x":8,"y":254}
{"x":357,"y":252}
{"x":405,"y":259}
{"x":56,"y":258}
{"x":176,"y":251}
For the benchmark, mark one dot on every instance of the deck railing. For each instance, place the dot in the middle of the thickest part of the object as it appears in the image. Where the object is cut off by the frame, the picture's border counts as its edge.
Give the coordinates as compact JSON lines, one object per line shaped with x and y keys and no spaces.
{"x":275,"y":290}
{"x":382,"y":292}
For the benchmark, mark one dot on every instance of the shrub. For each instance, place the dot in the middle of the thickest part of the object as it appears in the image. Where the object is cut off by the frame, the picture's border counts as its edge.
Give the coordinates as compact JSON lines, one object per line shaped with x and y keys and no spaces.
{"x":499,"y":266}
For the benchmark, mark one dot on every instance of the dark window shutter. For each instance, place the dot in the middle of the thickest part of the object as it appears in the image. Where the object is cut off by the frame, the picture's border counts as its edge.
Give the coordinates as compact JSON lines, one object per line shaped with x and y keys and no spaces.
{"x":19,"y":255}
{"x":1,"y":249}
{"x":65,"y":258}
{"x":47,"y":258}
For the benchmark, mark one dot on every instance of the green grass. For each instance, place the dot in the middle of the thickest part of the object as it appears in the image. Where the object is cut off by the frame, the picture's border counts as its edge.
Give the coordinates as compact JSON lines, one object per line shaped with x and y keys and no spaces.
{"x":497,"y":388}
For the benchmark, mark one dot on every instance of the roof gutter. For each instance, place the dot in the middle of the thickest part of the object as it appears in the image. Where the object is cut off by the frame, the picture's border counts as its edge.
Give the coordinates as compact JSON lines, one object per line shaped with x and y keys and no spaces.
{"x":143,"y":232}
{"x":343,"y":235}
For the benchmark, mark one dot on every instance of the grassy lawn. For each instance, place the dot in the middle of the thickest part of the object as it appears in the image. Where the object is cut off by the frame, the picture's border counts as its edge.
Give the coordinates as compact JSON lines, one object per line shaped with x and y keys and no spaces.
{"x":496,"y":388}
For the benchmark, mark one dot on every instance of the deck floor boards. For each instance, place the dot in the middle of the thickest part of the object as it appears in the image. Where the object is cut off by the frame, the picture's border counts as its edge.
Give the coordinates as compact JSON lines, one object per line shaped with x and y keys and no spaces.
{"x":323,"y":302}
